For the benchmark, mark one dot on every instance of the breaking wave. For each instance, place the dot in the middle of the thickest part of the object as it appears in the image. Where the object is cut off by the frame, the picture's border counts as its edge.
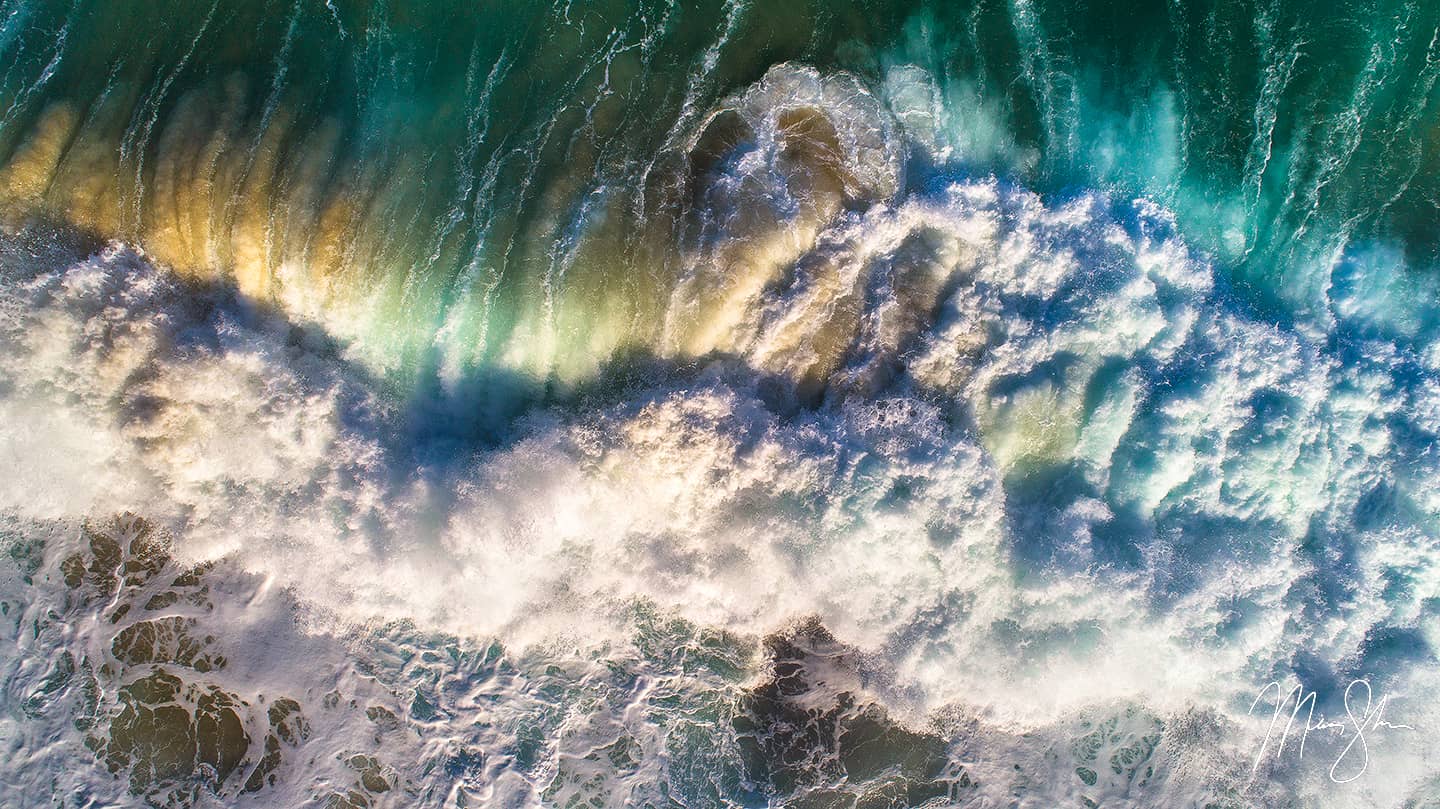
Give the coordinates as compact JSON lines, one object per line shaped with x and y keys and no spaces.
{"x":812,"y":467}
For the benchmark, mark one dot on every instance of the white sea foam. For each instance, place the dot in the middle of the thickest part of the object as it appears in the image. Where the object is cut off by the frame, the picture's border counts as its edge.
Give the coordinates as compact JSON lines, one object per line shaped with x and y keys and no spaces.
{"x":1045,"y":475}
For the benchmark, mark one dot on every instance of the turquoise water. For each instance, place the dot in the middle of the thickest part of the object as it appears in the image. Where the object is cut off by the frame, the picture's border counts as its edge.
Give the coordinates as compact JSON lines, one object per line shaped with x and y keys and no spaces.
{"x":509,"y":187}
{"x":739,"y":404}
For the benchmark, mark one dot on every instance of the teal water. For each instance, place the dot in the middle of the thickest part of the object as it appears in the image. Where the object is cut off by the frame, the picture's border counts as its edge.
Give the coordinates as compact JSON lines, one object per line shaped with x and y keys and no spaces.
{"x":497,"y":176}
{"x":717,"y":404}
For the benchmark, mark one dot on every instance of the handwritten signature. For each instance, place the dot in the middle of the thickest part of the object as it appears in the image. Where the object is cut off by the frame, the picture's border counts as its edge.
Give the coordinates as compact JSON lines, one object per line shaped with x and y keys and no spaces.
{"x":1364,"y":713}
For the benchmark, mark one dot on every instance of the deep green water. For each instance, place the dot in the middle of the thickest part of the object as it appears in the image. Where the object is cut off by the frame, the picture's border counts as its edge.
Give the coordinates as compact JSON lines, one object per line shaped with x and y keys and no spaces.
{"x":503,"y":175}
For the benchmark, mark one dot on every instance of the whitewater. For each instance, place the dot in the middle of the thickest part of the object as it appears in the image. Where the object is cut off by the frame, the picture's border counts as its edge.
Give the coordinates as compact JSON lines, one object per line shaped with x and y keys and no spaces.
{"x":817,"y":442}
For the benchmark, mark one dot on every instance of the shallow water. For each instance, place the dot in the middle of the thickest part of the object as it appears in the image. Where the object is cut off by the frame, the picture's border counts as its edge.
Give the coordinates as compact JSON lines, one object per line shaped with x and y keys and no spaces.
{"x":718,"y":405}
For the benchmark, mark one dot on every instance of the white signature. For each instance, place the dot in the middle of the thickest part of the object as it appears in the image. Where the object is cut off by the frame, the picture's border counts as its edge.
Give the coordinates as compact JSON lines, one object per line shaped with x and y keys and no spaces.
{"x":1363,"y":714}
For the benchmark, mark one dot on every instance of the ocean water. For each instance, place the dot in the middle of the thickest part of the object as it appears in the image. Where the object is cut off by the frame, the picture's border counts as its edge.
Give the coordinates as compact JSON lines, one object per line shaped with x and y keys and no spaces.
{"x":981,"y":404}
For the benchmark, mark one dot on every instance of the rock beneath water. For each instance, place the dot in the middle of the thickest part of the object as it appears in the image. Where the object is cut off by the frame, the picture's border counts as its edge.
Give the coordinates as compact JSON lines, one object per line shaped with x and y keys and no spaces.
{"x":811,"y":736}
{"x":162,"y":744}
